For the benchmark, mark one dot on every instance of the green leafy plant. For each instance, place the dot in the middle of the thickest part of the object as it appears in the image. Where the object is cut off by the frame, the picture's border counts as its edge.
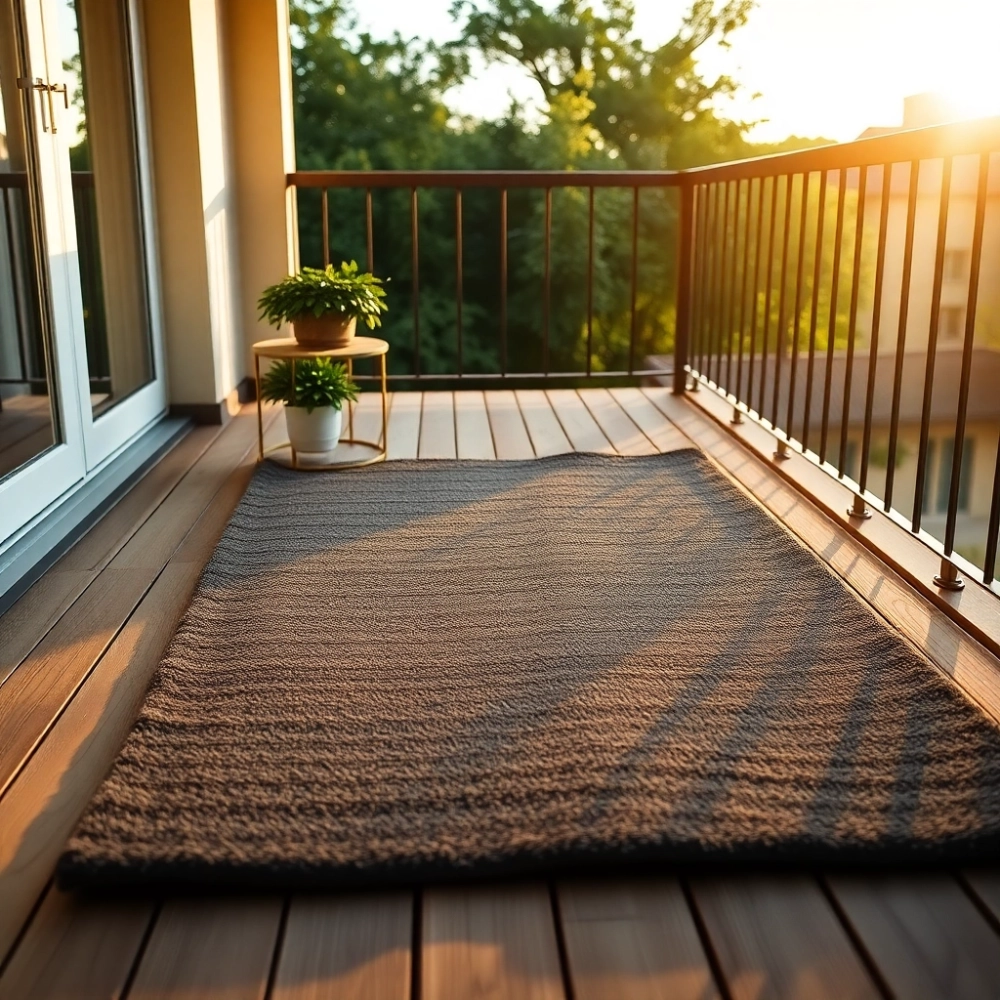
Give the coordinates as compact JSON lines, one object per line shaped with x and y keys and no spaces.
{"x":319,"y":382}
{"x":323,"y":291}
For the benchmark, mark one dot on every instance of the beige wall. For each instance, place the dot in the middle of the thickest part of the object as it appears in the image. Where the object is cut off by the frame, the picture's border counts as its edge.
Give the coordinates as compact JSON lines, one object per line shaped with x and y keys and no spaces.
{"x":219,"y":87}
{"x":259,"y":70}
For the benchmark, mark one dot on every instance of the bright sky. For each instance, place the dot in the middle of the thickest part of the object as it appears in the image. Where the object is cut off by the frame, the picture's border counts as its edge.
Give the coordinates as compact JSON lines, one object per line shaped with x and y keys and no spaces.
{"x":822,"y":67}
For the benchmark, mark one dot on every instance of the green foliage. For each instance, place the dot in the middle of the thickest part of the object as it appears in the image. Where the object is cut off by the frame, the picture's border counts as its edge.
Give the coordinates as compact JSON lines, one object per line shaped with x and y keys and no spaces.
{"x":644,"y":99}
{"x":608,"y":102}
{"x":318,"y":382}
{"x":325,"y":291}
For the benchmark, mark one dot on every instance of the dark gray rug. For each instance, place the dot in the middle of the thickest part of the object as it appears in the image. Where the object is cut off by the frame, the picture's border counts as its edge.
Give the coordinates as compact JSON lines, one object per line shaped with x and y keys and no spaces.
{"x":435,"y":669}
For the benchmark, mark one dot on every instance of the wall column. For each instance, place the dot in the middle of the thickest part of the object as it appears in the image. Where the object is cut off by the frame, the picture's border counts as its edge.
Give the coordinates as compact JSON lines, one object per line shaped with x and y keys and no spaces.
{"x":190,"y":128}
{"x":263,"y":148}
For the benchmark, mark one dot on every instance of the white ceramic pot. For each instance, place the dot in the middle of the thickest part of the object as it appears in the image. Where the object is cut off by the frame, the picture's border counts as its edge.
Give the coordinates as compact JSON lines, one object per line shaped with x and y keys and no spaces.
{"x":316,"y":431}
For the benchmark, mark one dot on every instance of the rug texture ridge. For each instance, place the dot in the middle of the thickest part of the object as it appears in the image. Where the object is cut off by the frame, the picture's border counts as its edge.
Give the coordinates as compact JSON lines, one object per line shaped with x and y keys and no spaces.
{"x":432,"y":670}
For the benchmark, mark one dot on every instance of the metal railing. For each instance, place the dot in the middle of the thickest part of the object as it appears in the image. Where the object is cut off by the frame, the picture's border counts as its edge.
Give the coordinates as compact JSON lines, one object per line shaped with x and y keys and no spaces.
{"x":835,"y":295}
{"x":503,"y":183}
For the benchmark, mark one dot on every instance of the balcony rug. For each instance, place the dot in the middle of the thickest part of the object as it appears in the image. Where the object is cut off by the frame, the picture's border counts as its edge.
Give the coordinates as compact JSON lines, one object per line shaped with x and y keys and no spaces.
{"x":432,"y":670}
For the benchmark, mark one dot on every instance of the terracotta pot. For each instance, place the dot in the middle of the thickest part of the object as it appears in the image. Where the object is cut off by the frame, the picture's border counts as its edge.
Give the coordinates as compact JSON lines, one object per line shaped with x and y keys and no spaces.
{"x":322,"y":333}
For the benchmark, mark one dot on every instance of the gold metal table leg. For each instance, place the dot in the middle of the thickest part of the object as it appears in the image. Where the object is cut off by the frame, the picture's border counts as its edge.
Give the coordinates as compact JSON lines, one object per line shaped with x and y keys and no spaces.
{"x":385,"y":411}
{"x":260,"y":415}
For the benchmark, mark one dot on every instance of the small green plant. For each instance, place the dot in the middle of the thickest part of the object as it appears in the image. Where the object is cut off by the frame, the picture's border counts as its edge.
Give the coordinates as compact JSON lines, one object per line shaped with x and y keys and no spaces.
{"x":319,"y":382}
{"x":323,"y":291}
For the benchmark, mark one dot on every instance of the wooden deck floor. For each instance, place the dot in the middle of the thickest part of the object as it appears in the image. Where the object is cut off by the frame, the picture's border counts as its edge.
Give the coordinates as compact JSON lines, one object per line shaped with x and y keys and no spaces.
{"x":78,"y":650}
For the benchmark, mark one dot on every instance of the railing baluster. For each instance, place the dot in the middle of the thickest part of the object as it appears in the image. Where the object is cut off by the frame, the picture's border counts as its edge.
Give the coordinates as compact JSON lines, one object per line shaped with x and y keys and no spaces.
{"x":369,"y":230}
{"x":814,"y":313}
{"x":711,"y":197}
{"x":503,"y":281}
{"x":990,"y":562}
{"x":782,"y":318}
{"x":744,"y":280}
{"x":590,"y":281}
{"x":904,"y":310}
{"x":685,"y":277}
{"x":547,"y":299}
{"x":458,"y":275}
{"x":975,"y":260}
{"x":731,"y":304}
{"x":723,"y":286}
{"x":635,"y":280}
{"x":753,"y":293}
{"x":797,"y":323}
{"x":766,"y":335}
{"x":698,"y":300}
{"x":415,"y":270}
{"x":831,"y":329}
{"x":920,"y":485}
{"x":325,"y":206}
{"x":852,"y":322}
{"x":718,"y":277}
{"x":883,"y":227}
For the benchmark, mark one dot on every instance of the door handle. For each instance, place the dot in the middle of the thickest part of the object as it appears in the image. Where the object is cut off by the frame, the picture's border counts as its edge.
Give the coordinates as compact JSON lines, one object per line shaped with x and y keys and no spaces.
{"x":38,"y":84}
{"x":56,"y":88}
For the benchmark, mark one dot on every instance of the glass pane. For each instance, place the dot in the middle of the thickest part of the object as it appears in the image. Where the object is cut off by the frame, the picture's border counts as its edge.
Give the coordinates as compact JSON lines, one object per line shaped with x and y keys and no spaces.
{"x":28,"y":422}
{"x":97,"y":61}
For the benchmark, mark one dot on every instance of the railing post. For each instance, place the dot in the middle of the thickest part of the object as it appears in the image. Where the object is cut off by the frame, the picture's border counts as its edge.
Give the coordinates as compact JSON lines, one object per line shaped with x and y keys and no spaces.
{"x":685,"y":259}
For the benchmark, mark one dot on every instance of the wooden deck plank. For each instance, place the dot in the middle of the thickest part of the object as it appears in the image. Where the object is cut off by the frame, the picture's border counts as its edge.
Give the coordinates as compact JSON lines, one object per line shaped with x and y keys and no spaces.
{"x":77,"y":949}
{"x":209,"y":950}
{"x":346,"y":948}
{"x":27,"y":622}
{"x":40,"y":808}
{"x":633,"y":941}
{"x":367,"y":417}
{"x":653,"y":423}
{"x":48,"y":678}
{"x":43,"y":805}
{"x":404,"y":425}
{"x":953,"y":651}
{"x":510,"y":436}
{"x":496,"y":942}
{"x":901,"y":550}
{"x":547,"y":435}
{"x":625,"y":436}
{"x":580,"y":427}
{"x":986,"y":886}
{"x":779,"y":937}
{"x":474,"y":437}
{"x":437,"y":426}
{"x":924,"y":934}
{"x":35,"y":694}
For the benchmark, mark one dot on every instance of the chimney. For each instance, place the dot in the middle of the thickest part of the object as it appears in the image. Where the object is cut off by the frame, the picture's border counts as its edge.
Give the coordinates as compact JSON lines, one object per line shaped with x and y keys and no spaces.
{"x":922,"y":110}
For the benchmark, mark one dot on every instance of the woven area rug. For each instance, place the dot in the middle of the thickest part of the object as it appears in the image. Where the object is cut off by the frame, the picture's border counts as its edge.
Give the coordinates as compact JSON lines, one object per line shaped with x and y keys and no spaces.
{"x":437,"y":669}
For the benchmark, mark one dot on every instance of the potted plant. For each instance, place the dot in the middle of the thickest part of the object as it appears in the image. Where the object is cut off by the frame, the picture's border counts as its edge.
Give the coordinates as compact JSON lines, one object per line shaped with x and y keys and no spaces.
{"x":324,"y":304}
{"x":314,"y":409}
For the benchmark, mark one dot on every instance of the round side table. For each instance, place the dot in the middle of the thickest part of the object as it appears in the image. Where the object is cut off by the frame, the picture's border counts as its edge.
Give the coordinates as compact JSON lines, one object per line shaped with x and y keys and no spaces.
{"x":290,"y":349}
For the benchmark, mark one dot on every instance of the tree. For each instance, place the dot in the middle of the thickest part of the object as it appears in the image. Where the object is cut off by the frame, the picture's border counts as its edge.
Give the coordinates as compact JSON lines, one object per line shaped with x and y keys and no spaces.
{"x":608,"y":102}
{"x":648,"y":103}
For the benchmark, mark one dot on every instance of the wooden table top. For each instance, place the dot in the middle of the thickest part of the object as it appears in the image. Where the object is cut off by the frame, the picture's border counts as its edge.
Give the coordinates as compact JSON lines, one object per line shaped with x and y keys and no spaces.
{"x":289,"y":347}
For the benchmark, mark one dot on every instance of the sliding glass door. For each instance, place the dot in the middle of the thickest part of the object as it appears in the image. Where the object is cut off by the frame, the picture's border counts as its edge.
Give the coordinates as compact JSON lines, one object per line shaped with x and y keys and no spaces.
{"x":96,"y":44}
{"x":41,"y":430}
{"x":80,"y":358}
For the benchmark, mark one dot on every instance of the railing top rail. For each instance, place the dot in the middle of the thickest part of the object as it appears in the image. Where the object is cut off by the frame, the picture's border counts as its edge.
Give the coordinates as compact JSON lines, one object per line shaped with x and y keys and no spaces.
{"x":484,"y":178}
{"x":954,"y":139}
